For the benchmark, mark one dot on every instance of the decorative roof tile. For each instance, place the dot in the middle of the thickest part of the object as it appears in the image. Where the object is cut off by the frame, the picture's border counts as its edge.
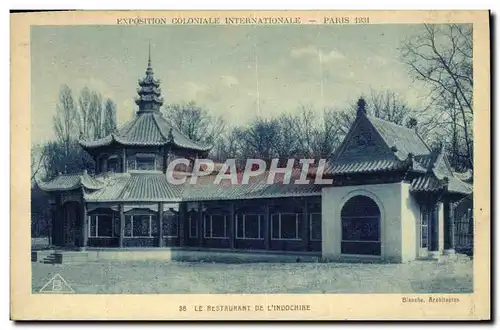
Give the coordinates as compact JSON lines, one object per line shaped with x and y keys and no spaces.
{"x":61,"y":182}
{"x":426,"y":183}
{"x":150,"y":187}
{"x":148,"y":129}
{"x":364,"y":166}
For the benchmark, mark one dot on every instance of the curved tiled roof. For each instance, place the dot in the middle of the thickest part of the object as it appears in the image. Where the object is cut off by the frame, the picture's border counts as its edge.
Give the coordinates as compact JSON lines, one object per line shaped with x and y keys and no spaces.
{"x":405,"y":140}
{"x":155,"y":187}
{"x":148,"y":129}
{"x":364,"y":166}
{"x":64,"y":182}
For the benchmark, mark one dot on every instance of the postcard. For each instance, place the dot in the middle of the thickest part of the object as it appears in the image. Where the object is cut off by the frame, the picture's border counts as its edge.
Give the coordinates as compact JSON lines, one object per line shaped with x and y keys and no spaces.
{"x":250,"y":165}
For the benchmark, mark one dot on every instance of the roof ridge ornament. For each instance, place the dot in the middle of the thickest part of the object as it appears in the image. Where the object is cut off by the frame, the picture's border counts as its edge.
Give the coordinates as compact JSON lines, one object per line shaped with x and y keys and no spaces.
{"x":171,"y":134}
{"x":361,"y":107}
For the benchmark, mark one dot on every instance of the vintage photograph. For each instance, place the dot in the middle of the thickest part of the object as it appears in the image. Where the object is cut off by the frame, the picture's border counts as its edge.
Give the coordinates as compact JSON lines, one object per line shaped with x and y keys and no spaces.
{"x":252,"y":159}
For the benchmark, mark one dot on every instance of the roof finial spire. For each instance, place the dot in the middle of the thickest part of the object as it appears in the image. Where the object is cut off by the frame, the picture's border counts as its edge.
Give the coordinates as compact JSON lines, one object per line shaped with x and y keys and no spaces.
{"x":149,"y":54}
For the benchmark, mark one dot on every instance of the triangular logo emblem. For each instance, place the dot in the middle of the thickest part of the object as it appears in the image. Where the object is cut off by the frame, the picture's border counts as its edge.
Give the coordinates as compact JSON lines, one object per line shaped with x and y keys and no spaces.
{"x":57,"y":284}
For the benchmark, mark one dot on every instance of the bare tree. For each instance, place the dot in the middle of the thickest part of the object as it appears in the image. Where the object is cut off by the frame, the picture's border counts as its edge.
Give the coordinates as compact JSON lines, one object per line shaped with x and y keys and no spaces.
{"x":84,"y":112}
{"x":65,"y":119}
{"x":261,"y":138}
{"x":441,"y":57}
{"x":389,"y":106}
{"x":195,"y":122}
{"x":287,"y":145}
{"x":37,"y":158}
{"x":95,"y":115}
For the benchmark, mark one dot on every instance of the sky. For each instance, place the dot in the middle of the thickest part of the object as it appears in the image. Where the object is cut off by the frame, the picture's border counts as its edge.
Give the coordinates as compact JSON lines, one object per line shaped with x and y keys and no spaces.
{"x":239,"y":72}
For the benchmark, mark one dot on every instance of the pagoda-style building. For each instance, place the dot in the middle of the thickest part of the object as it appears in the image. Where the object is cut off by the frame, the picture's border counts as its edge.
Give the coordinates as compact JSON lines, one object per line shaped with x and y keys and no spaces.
{"x":392,"y":197}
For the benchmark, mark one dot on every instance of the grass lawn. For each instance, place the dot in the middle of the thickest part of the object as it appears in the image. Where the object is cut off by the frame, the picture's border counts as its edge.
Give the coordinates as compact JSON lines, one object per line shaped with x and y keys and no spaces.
{"x":187,"y":277}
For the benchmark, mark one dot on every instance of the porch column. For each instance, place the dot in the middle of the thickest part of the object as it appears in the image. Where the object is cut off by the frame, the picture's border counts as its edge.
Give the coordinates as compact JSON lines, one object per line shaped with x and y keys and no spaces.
{"x":231,"y":226}
{"x":201,"y":224}
{"x":122,"y":223}
{"x":305,"y":226}
{"x":433,"y":229}
{"x":449,"y":228}
{"x":85,"y":231}
{"x":124,"y":160}
{"x":166,"y":151}
{"x":160,"y":224}
{"x":53,"y":214}
{"x":182,"y":224}
{"x":267,"y":220}
{"x":58,"y":222}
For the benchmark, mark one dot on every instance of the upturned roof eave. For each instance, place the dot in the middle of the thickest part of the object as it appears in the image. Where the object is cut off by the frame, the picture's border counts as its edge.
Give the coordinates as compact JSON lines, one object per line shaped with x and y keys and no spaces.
{"x":121,"y":141}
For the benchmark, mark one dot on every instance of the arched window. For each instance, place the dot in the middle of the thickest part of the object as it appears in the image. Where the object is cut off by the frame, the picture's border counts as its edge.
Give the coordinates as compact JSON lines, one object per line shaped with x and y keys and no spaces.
{"x":360,"y":226}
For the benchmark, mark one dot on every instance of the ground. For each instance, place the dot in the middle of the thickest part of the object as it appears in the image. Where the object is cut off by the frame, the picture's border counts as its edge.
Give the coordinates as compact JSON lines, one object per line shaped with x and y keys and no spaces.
{"x":188,"y":277}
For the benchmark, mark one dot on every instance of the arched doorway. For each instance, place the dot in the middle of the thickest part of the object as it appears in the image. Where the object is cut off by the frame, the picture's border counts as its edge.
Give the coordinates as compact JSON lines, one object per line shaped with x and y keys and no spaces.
{"x":71,"y":224}
{"x":360,"y":217}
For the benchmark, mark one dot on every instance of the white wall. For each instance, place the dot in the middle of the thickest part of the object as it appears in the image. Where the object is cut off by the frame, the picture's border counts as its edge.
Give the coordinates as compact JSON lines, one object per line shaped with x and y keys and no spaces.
{"x":390,"y":198}
{"x":410,"y":224}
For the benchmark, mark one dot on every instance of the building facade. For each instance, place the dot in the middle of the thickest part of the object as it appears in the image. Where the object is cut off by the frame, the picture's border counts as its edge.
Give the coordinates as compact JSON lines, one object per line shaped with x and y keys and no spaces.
{"x":391,"y":196}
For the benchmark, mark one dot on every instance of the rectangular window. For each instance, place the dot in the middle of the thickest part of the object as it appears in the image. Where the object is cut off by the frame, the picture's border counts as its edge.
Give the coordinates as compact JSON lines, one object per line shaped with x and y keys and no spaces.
{"x":154,"y":226}
{"x":170,"y":225}
{"x":93,"y":226}
{"x":193,"y":226}
{"x":131,"y":164}
{"x":141,"y":225}
{"x":104,"y":226}
{"x":315,"y":226}
{"x":215,"y":226}
{"x":250,"y":226}
{"x":285,"y":226}
{"x":101,"y":226}
{"x":145,"y":163}
{"x":116,"y":224}
{"x":424,"y":227}
{"x":128,"y":226}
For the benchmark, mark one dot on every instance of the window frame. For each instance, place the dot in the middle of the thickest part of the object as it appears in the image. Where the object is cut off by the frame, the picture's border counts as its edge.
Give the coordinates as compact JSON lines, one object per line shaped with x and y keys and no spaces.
{"x":259,"y":226}
{"x":311,"y":238}
{"x":424,"y":214}
{"x":190,"y":219}
{"x":297,"y":227}
{"x":359,"y":246}
{"x":210,"y":216}
{"x":132,"y":225}
{"x":97,"y":215}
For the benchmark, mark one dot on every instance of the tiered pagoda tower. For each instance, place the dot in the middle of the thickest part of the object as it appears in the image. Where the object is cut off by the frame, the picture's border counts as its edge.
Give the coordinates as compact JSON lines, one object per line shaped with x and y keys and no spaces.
{"x":148,"y":141}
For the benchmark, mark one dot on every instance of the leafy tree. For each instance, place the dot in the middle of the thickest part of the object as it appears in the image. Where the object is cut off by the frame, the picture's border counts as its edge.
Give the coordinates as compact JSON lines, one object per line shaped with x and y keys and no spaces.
{"x":109,"y":124}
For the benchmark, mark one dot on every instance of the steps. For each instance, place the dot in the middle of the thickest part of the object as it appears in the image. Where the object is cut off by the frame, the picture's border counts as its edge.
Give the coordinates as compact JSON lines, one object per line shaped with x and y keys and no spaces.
{"x":65,"y":257}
